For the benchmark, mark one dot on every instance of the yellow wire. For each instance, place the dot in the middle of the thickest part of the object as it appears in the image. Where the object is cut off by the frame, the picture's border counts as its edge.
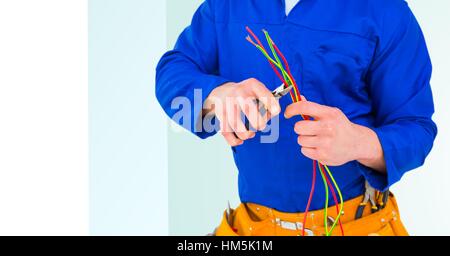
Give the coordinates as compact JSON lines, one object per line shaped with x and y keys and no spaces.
{"x":325,"y":215}
{"x":285,"y":74}
{"x":341,"y":204}
{"x":274,"y":53}
{"x":279,"y":67}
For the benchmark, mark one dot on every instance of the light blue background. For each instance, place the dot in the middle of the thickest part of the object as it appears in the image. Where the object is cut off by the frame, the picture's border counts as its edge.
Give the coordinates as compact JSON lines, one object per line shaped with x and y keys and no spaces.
{"x":202,"y":173}
{"x":128,"y":134}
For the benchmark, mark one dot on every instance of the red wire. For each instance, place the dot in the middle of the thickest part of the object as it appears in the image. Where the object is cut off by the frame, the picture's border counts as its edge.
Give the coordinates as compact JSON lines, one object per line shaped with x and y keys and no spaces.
{"x":278,"y":74}
{"x":311,"y":193}
{"x":290,"y":74}
{"x":306,"y":118}
{"x":292,"y":96}
{"x":287,"y":67}
{"x":262,"y":47}
{"x":334,"y":196}
{"x":273,"y":66}
{"x":254,"y":36}
{"x":314,"y":161}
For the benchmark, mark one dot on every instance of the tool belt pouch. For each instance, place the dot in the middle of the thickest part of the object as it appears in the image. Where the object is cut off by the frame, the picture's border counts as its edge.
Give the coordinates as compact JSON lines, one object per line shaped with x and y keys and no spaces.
{"x":225,"y":228}
{"x":385,"y":222}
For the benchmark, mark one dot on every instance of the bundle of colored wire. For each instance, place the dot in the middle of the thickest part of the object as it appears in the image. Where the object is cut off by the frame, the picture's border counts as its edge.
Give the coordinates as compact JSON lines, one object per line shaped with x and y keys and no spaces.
{"x":287,"y":79}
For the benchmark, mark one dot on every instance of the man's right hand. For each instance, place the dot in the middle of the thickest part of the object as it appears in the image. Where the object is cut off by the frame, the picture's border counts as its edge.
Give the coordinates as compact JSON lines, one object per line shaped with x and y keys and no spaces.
{"x":229,"y":100}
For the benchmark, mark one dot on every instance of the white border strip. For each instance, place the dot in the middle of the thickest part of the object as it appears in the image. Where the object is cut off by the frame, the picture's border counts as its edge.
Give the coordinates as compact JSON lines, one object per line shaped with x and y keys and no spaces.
{"x":43,"y":117}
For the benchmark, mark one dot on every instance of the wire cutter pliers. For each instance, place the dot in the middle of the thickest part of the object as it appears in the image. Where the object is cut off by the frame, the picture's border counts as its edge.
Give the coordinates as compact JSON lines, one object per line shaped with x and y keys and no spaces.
{"x":278,"y":93}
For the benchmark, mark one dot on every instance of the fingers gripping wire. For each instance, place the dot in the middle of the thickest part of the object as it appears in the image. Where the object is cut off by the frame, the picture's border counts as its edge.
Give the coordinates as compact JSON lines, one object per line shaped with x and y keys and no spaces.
{"x":283,"y":72}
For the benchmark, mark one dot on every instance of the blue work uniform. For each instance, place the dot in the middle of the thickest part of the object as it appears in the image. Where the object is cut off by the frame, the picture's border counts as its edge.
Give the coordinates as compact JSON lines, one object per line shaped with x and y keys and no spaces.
{"x":365,"y":57}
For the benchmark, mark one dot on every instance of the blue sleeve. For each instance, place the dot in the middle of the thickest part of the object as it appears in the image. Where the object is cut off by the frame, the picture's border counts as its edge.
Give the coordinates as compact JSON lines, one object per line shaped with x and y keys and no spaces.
{"x":399,"y":85}
{"x":186,"y":75}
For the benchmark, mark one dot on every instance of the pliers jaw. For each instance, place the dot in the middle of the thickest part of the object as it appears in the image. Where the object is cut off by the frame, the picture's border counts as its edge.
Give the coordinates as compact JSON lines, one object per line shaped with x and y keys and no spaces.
{"x":281,"y":91}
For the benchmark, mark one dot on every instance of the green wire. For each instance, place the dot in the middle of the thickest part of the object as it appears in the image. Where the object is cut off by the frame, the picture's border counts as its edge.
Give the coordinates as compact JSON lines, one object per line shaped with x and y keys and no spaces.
{"x":341,"y":205}
{"x":325,"y":216}
{"x":285,"y":74}
{"x":279,"y":65}
{"x":275,"y":63}
{"x":270,"y":42}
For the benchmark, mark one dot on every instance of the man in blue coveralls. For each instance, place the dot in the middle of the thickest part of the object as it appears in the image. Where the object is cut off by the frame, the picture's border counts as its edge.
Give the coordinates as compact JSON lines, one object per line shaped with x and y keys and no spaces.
{"x":364,"y":68}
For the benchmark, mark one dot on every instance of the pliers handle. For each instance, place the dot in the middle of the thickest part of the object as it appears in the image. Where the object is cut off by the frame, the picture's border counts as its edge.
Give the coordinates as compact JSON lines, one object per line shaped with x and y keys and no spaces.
{"x":369,"y":196}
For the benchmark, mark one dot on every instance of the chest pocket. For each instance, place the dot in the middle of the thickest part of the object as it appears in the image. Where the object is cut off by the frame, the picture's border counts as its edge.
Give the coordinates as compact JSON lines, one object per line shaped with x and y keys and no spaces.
{"x":333,"y":63}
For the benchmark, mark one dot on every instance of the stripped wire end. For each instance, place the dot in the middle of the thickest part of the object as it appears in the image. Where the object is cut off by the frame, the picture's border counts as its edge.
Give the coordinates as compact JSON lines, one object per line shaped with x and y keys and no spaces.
{"x":249,"y":39}
{"x":254,"y":36}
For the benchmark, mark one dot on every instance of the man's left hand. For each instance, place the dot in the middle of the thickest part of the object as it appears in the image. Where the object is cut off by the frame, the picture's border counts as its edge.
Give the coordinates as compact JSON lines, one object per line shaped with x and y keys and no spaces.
{"x":332,"y":139}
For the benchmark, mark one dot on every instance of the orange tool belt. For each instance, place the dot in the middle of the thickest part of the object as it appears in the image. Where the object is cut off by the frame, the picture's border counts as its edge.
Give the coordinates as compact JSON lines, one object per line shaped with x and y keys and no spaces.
{"x":250,"y":219}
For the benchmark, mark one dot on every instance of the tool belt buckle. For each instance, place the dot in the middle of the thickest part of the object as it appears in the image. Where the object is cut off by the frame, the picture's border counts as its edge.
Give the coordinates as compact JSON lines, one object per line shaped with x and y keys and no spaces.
{"x":293,"y":226}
